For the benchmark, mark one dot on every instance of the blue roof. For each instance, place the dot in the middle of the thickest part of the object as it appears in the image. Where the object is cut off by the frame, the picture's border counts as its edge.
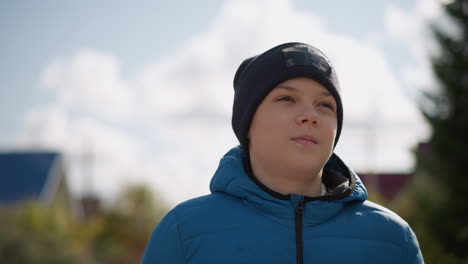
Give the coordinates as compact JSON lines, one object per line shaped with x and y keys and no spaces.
{"x":24,"y":176}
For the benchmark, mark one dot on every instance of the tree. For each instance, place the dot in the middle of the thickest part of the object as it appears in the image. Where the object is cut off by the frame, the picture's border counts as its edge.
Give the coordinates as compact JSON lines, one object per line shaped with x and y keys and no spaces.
{"x":126,"y":226}
{"x":440,"y":213}
{"x":33,"y":233}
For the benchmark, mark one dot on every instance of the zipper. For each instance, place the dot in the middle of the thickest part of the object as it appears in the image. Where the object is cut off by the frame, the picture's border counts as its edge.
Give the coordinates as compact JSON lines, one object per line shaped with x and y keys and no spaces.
{"x":298,"y":215}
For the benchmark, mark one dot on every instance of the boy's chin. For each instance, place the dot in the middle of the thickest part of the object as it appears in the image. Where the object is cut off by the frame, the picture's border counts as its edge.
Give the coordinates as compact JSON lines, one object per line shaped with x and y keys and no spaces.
{"x":304,"y":165}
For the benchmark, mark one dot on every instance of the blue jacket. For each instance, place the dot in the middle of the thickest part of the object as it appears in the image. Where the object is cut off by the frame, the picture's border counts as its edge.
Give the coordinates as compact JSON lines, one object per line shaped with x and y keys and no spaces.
{"x":241,"y":221}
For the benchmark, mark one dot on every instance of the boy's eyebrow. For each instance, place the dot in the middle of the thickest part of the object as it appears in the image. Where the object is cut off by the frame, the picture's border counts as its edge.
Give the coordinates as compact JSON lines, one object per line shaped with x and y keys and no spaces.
{"x":291,"y":88}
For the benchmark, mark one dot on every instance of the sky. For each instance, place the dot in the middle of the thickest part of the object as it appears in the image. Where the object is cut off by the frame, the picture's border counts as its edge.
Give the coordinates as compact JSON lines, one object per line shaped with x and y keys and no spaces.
{"x":141,"y":91}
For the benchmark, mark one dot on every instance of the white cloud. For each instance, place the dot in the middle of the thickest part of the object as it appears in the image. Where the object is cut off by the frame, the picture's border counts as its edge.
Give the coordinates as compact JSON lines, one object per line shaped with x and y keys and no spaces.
{"x":90,"y":81}
{"x":411,"y":28}
{"x":44,"y":127}
{"x":185,"y":100}
{"x":111,"y":155}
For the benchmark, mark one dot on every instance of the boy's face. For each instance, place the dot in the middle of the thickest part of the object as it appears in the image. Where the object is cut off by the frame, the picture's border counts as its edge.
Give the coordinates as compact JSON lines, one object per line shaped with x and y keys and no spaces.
{"x":295,"y":126}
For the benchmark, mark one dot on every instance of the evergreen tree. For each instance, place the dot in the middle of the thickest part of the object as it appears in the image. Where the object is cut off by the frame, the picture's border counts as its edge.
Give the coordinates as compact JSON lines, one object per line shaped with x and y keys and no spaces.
{"x":440,"y":212}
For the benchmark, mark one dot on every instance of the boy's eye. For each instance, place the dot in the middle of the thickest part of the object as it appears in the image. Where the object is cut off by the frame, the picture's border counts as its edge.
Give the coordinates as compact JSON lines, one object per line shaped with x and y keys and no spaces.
{"x":328,"y":105}
{"x":285,"y":99}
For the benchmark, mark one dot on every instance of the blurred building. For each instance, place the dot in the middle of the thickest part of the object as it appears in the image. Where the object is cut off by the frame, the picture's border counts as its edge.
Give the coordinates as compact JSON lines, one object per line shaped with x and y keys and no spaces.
{"x":35,"y":176}
{"x":387,"y":185}
{"x":90,"y":206}
{"x":41,"y":177}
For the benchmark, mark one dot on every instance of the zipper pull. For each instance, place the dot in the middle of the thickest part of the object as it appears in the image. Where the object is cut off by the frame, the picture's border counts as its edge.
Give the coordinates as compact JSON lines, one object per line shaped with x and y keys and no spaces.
{"x":300,"y":207}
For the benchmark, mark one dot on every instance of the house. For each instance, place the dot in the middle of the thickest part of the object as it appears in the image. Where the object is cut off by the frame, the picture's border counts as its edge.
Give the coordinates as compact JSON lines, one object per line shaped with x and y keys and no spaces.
{"x":34,"y":176}
{"x":387,"y":185}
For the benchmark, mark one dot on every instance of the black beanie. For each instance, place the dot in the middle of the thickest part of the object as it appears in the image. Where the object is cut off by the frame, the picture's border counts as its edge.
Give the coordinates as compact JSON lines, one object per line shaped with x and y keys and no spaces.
{"x":258,"y":75}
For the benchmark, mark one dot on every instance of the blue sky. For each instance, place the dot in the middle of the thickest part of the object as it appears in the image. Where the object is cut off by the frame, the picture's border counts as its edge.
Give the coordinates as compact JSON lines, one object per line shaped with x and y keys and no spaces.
{"x":145,"y":86}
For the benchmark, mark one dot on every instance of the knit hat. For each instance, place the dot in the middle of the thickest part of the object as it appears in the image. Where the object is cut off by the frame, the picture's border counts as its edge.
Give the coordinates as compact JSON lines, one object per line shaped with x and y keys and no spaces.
{"x":258,"y":75}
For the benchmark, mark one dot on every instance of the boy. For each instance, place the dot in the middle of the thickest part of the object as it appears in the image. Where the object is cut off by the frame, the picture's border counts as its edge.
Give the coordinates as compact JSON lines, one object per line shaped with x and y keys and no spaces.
{"x":283,"y":196}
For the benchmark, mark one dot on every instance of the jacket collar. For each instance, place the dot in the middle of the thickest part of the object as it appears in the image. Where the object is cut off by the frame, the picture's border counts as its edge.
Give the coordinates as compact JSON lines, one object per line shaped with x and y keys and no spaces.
{"x":234,"y":178}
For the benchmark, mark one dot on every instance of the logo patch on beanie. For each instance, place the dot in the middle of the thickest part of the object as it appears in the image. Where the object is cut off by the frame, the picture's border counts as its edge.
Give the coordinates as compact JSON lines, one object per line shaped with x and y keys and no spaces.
{"x":302,"y":55}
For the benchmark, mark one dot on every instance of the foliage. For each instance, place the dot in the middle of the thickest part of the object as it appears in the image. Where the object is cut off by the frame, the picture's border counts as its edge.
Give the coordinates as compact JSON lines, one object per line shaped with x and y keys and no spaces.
{"x":34,"y":233}
{"x":438,"y":211}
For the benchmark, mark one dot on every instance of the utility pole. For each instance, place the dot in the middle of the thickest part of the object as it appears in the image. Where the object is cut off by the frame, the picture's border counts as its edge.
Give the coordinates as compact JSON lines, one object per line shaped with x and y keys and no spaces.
{"x":87,"y":166}
{"x":371,"y":144}
{"x":89,"y":201}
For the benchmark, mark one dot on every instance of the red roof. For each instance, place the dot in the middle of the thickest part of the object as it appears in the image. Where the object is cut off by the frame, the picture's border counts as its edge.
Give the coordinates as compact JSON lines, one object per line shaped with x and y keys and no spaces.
{"x":387,"y":184}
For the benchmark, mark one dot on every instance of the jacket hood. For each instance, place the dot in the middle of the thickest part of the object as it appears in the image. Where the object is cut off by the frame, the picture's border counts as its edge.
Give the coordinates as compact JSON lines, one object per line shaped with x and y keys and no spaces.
{"x":343,"y":185}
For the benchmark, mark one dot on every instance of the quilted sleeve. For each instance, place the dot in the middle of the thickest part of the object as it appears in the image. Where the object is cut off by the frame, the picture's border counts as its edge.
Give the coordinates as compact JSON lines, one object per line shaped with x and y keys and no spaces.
{"x":164,"y":245}
{"x":413,"y":253}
